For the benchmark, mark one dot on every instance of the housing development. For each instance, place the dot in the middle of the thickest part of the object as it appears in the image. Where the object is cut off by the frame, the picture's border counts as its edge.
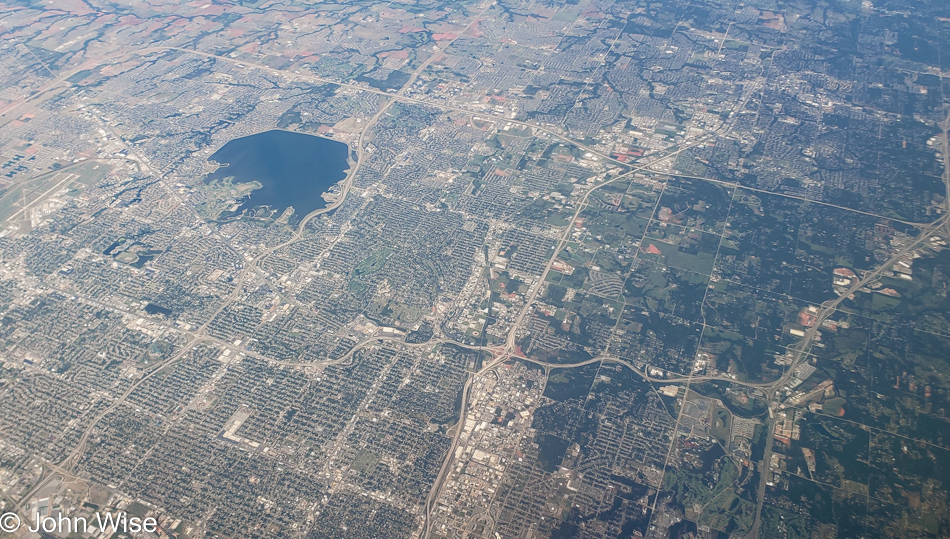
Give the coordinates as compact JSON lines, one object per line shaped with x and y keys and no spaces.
{"x":475,"y":269}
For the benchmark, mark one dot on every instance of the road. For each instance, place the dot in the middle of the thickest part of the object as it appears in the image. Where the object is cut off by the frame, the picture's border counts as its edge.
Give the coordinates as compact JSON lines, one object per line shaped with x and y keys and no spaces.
{"x":347,"y":183}
{"x":201,"y":334}
{"x":70,"y":461}
{"x":735,"y":185}
{"x":509,"y":347}
{"x":800,"y":353}
{"x":533,"y":291}
{"x":61,"y":82}
{"x":803,"y":349}
{"x":447,"y":462}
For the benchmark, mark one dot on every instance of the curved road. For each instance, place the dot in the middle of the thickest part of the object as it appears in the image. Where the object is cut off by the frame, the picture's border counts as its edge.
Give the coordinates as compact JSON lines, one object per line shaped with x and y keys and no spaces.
{"x":800,"y":353}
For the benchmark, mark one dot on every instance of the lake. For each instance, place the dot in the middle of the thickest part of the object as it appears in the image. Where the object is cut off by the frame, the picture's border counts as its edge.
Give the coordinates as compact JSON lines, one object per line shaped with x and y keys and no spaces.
{"x":293,"y":169}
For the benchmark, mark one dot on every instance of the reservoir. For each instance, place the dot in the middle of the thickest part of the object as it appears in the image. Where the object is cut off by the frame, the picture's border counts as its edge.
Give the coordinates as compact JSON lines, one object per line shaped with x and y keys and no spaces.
{"x":293,"y":169}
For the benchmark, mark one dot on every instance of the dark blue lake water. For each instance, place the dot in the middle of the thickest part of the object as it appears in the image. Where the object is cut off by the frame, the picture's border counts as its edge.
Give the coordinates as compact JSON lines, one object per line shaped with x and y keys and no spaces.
{"x":293,"y":169}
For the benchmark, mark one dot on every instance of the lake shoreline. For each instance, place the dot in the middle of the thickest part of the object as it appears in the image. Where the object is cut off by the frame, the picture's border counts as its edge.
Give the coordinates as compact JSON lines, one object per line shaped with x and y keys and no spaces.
{"x":295,"y":170}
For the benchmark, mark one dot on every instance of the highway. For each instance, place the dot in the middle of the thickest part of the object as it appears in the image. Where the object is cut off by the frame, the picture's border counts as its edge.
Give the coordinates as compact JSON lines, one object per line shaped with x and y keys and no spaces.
{"x":532,"y":294}
{"x":800,"y":352}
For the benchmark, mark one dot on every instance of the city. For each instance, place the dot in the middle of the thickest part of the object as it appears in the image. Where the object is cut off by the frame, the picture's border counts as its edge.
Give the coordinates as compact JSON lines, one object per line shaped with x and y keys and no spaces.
{"x":594,"y":269}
